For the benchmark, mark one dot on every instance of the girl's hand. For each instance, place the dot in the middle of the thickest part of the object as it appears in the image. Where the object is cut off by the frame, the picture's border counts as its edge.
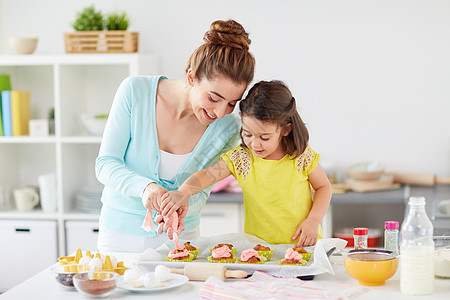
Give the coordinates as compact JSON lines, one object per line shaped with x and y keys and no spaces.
{"x":308,"y":232}
{"x":151,"y":198}
{"x":172,"y":201}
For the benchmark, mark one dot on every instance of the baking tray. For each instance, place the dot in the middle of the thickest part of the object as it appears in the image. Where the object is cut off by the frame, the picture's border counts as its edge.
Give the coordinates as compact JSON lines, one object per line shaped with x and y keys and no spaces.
{"x":319,"y":262}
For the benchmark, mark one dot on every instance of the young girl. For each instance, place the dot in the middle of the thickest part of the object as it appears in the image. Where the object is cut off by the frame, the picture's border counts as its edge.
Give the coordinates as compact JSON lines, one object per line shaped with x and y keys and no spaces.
{"x":275,"y":167}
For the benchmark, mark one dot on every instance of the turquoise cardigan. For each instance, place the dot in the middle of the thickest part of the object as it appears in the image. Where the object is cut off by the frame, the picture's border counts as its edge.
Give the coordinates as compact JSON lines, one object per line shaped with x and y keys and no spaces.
{"x":128,"y":159}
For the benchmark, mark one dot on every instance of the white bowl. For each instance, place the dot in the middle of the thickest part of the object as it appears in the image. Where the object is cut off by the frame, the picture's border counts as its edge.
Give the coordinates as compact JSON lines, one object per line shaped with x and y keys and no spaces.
{"x":366,"y":171}
{"x":93,"y":123}
{"x":23,"y":45}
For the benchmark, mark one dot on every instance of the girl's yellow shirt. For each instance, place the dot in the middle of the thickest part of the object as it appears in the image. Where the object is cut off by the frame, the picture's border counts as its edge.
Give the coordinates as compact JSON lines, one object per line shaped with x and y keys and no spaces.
{"x":277,"y":193}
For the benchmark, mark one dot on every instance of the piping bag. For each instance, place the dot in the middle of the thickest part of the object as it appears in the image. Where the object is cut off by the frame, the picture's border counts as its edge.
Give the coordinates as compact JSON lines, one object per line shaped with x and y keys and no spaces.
{"x":149,"y":225}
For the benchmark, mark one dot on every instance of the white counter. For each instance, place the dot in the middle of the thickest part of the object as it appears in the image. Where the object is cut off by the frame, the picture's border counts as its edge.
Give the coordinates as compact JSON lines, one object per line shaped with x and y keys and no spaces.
{"x":44,"y":286}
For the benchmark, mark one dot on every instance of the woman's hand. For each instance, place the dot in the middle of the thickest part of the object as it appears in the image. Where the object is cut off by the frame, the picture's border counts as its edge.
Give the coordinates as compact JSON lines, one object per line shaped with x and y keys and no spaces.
{"x":308,"y":231}
{"x":165,"y":226}
{"x":151,"y":199}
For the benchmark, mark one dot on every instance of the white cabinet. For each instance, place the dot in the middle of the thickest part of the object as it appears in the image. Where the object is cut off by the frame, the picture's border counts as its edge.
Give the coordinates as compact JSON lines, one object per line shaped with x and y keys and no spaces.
{"x":72,"y":84}
{"x":27,"y":248}
{"x":81,"y":234}
{"x":221,"y":218}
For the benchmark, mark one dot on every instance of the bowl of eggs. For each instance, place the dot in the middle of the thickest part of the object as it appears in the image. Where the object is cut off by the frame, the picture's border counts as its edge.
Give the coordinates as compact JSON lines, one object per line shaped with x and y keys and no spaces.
{"x":64,"y":274}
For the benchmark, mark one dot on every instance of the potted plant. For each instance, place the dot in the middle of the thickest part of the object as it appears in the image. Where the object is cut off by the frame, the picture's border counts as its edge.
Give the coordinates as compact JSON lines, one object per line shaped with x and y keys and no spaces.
{"x":117,"y":21}
{"x":95,"y":33}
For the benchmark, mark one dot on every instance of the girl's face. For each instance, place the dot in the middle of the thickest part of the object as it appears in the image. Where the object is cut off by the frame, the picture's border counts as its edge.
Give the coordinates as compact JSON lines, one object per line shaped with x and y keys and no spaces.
{"x":213,"y":99}
{"x":263,"y":138}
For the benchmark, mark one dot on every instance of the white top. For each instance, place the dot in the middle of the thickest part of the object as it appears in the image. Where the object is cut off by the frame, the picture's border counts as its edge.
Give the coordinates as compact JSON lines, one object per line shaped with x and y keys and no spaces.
{"x":170,"y":164}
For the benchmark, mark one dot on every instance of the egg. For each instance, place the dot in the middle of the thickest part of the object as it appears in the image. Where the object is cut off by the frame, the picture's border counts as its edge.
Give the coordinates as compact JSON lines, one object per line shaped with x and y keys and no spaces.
{"x":96,"y":263}
{"x":150,"y":281}
{"x":85,"y":260}
{"x":133,"y":277}
{"x":162,"y":273}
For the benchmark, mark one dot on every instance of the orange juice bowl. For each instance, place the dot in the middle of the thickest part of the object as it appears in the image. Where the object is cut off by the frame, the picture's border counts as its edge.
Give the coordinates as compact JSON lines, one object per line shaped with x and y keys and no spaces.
{"x":370,"y":267}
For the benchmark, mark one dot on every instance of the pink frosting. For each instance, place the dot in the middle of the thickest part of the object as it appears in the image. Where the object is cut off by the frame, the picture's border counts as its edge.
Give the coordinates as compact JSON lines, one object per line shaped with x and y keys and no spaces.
{"x":174,"y":254}
{"x":292,"y":254}
{"x":247,"y":254}
{"x":223,"y":251}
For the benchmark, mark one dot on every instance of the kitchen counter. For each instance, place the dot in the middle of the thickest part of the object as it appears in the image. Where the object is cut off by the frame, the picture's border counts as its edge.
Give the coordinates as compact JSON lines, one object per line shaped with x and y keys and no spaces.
{"x":44,"y":286}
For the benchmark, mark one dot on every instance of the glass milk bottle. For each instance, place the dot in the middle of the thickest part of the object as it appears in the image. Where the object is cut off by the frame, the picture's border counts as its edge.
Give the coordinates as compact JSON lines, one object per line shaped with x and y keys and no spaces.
{"x":416,"y":250}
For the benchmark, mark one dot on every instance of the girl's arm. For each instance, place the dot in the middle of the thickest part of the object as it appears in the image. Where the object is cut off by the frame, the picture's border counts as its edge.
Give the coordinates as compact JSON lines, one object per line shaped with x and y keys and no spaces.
{"x":308,"y":229}
{"x":197,"y":182}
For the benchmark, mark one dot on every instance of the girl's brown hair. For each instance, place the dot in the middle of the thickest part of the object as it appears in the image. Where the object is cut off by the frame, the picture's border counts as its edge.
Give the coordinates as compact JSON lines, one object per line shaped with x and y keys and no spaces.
{"x":225,"y":52}
{"x":271,"y":101}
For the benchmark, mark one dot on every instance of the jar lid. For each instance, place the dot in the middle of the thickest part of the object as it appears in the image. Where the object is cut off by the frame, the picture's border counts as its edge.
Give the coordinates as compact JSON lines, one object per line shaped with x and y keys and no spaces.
{"x":391,"y":225}
{"x":360,"y":231}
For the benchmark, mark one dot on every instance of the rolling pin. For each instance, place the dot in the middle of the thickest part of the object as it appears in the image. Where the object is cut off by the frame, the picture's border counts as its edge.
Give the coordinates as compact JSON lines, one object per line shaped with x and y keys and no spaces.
{"x":198,"y":272}
{"x":426,"y":179}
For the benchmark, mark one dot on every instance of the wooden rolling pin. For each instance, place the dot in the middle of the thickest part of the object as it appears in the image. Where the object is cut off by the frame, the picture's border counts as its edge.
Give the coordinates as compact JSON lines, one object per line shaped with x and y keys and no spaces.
{"x":426,"y":179}
{"x":197,"y":272}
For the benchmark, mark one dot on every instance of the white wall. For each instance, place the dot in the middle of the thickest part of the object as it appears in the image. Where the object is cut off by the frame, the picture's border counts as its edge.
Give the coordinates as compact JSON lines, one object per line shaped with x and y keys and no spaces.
{"x":371,"y":77}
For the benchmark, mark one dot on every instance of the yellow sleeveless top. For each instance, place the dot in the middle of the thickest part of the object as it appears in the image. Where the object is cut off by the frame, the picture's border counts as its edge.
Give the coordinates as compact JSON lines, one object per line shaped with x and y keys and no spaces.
{"x":277,"y":193}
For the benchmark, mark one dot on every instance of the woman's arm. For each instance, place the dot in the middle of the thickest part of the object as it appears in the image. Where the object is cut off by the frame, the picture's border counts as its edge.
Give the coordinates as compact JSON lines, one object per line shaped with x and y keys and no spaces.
{"x":196,"y":183}
{"x":308,"y":229}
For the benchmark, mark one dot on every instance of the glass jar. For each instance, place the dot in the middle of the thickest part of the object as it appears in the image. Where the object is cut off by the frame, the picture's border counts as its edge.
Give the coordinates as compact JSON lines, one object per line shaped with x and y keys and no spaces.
{"x":360,"y":236}
{"x":391,"y":236}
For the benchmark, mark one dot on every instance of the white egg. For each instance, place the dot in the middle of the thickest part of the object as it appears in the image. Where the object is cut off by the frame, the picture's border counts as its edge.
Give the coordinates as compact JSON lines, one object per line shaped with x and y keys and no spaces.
{"x":85,"y":260}
{"x":113,"y":261}
{"x":96,"y":263}
{"x":133,"y":276}
{"x":150,"y":281}
{"x":162,"y":273}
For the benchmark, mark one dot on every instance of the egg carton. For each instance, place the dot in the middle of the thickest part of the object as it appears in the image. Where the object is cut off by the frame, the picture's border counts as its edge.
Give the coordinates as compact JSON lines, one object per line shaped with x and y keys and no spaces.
{"x":106,"y":265}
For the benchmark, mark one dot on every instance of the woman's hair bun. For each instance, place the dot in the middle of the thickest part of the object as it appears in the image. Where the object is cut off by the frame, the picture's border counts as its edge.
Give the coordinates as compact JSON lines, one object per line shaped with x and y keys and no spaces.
{"x":228,"y":33}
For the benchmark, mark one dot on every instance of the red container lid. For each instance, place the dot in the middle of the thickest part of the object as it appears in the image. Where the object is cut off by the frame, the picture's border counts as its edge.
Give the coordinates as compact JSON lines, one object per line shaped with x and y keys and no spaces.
{"x":360,"y":231}
{"x":391,"y":225}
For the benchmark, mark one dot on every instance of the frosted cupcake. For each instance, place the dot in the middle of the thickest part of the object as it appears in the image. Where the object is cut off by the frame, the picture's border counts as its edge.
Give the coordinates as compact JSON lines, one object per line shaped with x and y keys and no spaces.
{"x":293,"y":258}
{"x":192,"y":249}
{"x":305,"y":253}
{"x":179,"y":255}
{"x":251,"y":256}
{"x":233,"y":250}
{"x":221,"y":255}
{"x":264,"y":251}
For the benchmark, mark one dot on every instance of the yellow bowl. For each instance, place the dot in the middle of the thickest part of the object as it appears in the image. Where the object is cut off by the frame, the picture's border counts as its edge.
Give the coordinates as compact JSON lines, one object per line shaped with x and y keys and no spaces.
{"x":370,"y":266}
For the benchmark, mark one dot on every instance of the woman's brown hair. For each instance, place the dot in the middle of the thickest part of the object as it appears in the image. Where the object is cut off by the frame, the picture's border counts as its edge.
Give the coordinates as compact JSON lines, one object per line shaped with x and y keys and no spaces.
{"x":271,"y":101}
{"x":225,"y":52}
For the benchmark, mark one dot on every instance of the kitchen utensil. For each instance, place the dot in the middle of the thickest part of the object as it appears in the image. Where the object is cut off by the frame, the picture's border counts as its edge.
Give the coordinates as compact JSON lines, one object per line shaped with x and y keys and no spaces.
{"x":426,"y":179}
{"x":98,"y":284}
{"x":26,"y":199}
{"x":366,"y":171}
{"x":370,"y":267}
{"x":198,"y":272}
{"x":385,"y":182}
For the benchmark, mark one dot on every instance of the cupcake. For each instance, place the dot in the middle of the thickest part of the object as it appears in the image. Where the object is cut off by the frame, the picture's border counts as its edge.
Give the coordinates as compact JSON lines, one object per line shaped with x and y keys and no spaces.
{"x":251,"y":256}
{"x":179,"y":255}
{"x":192,"y":249}
{"x":264,"y":251}
{"x":305,"y":253}
{"x":233,"y":250}
{"x":293,"y":258}
{"x":221,"y":254}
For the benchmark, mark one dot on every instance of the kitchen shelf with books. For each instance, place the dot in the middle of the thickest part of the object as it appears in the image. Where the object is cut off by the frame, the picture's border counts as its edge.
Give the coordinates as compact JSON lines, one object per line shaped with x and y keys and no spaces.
{"x":72,"y":86}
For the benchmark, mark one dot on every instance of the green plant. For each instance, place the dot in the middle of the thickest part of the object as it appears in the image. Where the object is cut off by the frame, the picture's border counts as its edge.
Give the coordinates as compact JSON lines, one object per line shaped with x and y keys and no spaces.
{"x":117,"y":21}
{"x":89,"y":20}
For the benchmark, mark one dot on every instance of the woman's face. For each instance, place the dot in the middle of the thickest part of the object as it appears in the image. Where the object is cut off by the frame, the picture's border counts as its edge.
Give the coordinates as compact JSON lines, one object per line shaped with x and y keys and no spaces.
{"x":213,"y":99}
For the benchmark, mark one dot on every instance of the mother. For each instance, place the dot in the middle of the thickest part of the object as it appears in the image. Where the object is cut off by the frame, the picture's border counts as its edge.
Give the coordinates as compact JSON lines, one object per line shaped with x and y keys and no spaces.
{"x":160,"y":131}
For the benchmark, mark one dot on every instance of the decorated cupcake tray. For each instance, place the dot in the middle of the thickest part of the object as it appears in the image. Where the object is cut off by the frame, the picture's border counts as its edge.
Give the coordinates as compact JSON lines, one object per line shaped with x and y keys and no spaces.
{"x":317,"y":264}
